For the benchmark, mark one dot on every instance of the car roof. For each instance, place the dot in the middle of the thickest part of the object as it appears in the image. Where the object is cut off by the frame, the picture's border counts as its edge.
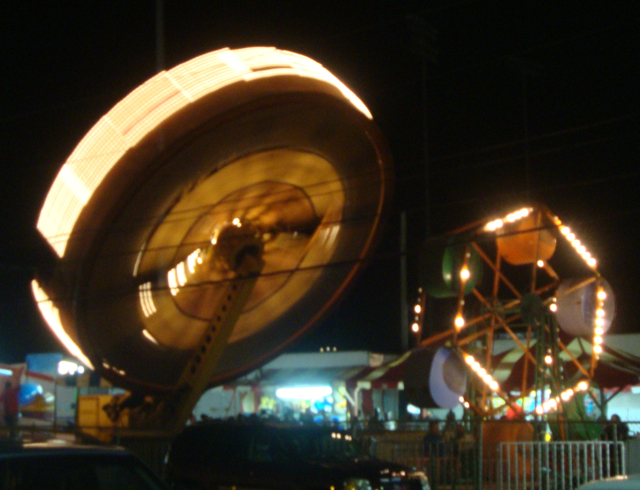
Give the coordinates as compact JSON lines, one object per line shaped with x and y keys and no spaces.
{"x":252,"y":423}
{"x":56,"y":446}
{"x":631,"y":482}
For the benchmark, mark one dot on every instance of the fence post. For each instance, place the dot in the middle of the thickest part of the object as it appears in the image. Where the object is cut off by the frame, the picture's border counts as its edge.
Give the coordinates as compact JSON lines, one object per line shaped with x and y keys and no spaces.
{"x":477,"y":480}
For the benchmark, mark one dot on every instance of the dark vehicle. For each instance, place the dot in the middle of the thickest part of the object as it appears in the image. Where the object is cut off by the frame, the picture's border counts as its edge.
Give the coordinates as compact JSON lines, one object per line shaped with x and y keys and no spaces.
{"x":58,"y":465}
{"x":246,"y":455}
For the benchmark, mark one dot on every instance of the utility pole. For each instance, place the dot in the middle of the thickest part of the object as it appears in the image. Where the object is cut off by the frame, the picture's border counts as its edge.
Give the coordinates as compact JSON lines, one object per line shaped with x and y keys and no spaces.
{"x":159,"y":35}
{"x":423,"y":38}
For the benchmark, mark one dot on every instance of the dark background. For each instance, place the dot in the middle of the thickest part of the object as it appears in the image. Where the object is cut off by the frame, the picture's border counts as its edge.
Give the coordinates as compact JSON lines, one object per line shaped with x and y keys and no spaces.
{"x":500,"y":103}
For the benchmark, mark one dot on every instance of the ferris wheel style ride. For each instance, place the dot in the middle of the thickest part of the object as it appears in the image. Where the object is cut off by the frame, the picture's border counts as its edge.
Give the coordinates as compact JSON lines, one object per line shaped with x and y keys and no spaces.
{"x":523,"y":279}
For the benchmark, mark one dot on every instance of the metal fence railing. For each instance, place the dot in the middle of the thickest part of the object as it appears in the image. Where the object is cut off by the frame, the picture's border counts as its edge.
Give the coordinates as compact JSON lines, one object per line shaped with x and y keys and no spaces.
{"x":557,"y":465}
{"x":506,"y":466}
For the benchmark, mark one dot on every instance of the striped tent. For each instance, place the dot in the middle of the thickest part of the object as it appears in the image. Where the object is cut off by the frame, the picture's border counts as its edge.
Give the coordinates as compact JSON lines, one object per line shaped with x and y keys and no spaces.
{"x":614,"y":370}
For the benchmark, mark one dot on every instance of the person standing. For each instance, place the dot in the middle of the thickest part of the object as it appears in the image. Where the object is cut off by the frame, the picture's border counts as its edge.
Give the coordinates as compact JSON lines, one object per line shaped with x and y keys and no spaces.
{"x":433,"y":440}
{"x":616,"y":430}
{"x":11,"y":404}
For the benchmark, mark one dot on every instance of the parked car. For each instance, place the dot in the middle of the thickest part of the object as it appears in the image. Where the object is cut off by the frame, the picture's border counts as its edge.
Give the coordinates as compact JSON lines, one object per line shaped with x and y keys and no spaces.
{"x":277,"y":456}
{"x":630,"y":482}
{"x":58,"y":464}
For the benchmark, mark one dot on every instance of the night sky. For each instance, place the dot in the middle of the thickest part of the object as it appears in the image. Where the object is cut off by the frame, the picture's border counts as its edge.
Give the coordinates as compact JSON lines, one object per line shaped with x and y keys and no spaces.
{"x":498,"y":103}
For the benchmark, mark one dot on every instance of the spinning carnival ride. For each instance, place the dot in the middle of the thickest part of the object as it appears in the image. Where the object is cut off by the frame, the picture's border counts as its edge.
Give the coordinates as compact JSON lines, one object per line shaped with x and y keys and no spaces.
{"x":214,"y":214}
{"x":555,"y":323}
{"x":208,"y":220}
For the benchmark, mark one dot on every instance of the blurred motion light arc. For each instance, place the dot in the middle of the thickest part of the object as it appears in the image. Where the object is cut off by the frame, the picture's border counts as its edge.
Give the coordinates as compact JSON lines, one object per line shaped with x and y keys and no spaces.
{"x":253,"y":155}
{"x":148,"y":106}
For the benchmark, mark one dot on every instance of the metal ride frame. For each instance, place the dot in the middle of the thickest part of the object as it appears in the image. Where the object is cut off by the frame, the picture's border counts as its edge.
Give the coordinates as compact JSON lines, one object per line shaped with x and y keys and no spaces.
{"x":527,"y":317}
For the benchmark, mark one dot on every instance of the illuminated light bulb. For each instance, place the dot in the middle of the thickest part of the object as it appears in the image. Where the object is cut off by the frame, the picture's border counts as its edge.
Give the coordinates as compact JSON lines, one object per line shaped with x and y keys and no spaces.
{"x":482,"y":372}
{"x":583,"y":385}
{"x":600,"y":312}
{"x":540,"y":263}
{"x":475,"y":365}
{"x":597,"y":339}
{"x":539,"y":410}
{"x":602,"y":295}
{"x":586,"y":256}
{"x":553,"y":307}
{"x":565,"y":396}
{"x":512,"y":217}
{"x":565,"y":230}
{"x":570,"y":392}
{"x":469,"y":360}
{"x":600,"y":322}
{"x":525,"y":212}
{"x":499,"y":223}
{"x":599,"y":330}
{"x":461,"y":399}
{"x":591,"y":262}
{"x":571,"y":237}
{"x":548,"y":359}
{"x":466,"y":404}
{"x":236,"y":221}
{"x":494,"y":385}
{"x":459,"y":322}
{"x":576,"y":243}
{"x":464,"y":274}
{"x":597,"y":349}
{"x":415,"y":327}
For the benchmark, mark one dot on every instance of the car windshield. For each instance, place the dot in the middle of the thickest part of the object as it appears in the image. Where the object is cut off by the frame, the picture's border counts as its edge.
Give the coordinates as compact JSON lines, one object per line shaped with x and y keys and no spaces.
{"x":324,"y":444}
{"x":75,"y":472}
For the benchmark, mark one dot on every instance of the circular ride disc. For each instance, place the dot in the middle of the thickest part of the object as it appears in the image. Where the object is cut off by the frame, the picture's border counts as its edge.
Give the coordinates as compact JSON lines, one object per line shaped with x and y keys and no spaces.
{"x":260,"y":139}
